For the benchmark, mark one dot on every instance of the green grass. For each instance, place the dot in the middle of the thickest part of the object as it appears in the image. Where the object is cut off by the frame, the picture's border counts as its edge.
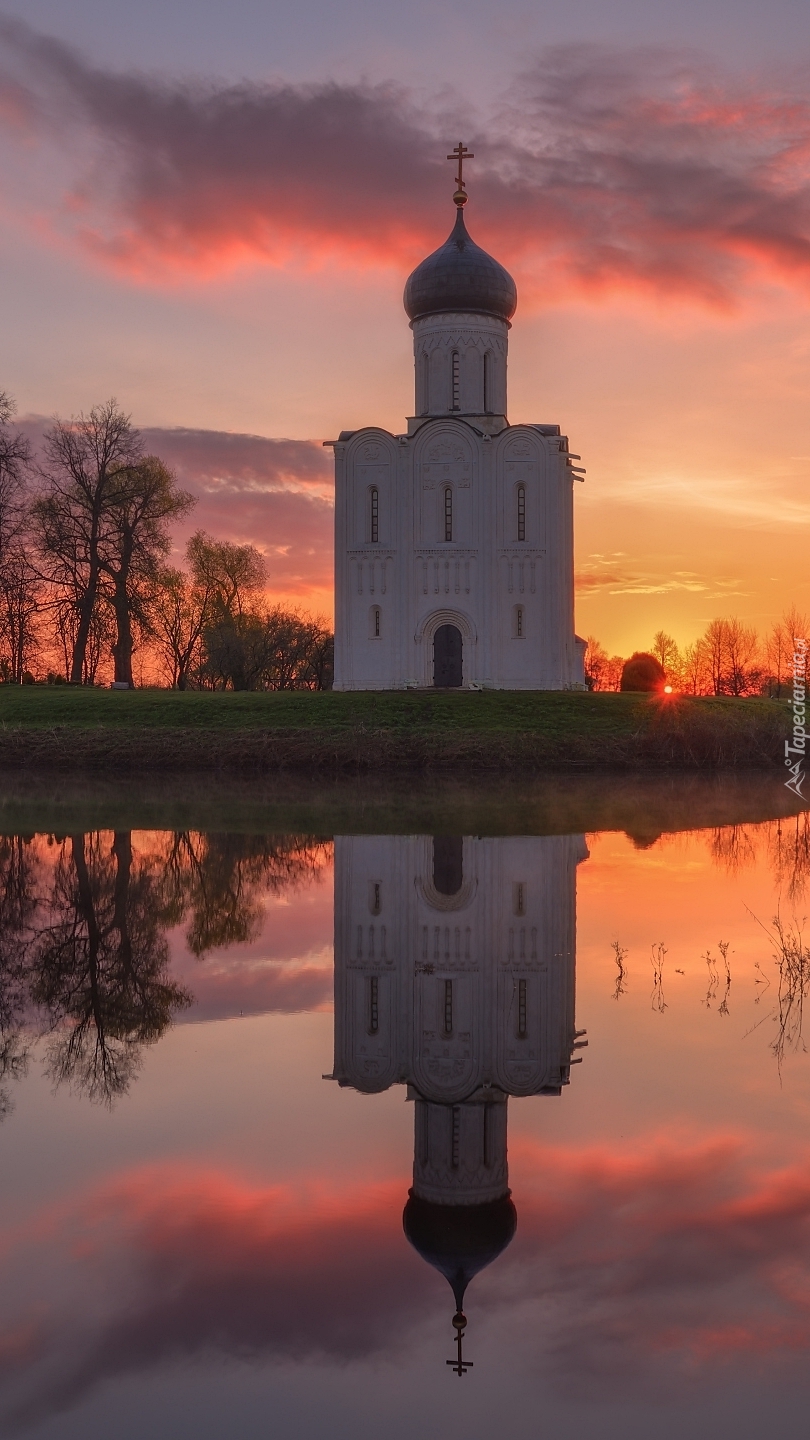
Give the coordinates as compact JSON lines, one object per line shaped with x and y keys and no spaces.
{"x":554,"y":712}
{"x":472,"y":730}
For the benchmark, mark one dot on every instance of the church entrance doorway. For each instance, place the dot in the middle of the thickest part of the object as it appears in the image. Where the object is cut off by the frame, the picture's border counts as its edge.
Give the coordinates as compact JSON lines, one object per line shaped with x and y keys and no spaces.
{"x":447,"y":647}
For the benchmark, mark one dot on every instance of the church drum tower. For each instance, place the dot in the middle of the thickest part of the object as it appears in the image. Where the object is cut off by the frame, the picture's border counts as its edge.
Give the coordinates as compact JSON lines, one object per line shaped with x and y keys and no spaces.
{"x":454,"y":542}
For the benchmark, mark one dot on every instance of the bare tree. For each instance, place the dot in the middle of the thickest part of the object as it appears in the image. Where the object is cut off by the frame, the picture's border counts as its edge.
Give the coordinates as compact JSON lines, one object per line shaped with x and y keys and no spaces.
{"x":596,"y":662}
{"x":714,"y":643}
{"x":15,"y":457}
{"x":665,"y":650}
{"x":143,"y":499}
{"x":83,"y":458}
{"x":20,"y":610}
{"x":743,"y":672}
{"x":695,"y":669}
{"x":779,"y":647}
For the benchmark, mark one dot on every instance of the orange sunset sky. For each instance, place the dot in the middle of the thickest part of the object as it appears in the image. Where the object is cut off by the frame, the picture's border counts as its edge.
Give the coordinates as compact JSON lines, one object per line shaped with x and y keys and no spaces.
{"x":213,"y":220}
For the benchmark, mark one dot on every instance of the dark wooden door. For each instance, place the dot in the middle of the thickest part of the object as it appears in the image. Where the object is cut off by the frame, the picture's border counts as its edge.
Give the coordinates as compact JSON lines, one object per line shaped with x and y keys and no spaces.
{"x":447,"y":656}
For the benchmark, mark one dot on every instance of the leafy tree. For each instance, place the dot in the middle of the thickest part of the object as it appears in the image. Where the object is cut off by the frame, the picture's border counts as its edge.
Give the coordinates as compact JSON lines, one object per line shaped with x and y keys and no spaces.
{"x":233,"y":574}
{"x":179,"y":610}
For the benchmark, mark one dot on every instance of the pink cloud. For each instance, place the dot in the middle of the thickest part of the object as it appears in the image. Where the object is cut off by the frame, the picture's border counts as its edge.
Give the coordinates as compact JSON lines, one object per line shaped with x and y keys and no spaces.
{"x":276,"y":494}
{"x":645,"y":1266}
{"x":642,"y":169}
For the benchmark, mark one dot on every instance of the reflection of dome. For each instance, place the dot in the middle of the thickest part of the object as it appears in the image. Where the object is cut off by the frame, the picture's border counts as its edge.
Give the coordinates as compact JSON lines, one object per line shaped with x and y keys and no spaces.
{"x":460,"y":276}
{"x":459,"y":1240}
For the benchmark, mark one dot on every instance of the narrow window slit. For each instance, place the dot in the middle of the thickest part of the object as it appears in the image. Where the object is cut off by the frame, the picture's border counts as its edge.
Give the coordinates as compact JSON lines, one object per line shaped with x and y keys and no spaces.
{"x":522,"y":1009}
{"x":448,"y":1007}
{"x":448,"y":513}
{"x":373,"y":1005}
{"x":375,"y":515}
{"x":521,"y":512}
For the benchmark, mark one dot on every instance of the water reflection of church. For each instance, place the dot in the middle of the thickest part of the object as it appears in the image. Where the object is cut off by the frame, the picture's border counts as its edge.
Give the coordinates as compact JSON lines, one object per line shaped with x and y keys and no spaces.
{"x":454,"y":975}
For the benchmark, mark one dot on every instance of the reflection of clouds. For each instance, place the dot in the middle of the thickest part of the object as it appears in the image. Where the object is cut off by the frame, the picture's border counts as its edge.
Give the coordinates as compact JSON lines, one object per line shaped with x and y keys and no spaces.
{"x":665,"y":1255}
{"x":221,"y":991}
{"x":641,"y":169}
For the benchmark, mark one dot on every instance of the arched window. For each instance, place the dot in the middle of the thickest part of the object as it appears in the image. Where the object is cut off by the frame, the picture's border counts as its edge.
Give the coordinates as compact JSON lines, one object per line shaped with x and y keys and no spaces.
{"x":519,"y":623}
{"x":374,"y":503}
{"x":522,"y":1015}
{"x":487,"y":383}
{"x":456,"y":381}
{"x":375,"y":623}
{"x":448,"y":513}
{"x":375,"y":896}
{"x":521,"y":512}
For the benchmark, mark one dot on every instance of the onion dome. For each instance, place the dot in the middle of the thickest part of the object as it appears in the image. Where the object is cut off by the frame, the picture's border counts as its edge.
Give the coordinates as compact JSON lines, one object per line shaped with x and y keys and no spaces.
{"x":459,"y":1240}
{"x":460,"y":276}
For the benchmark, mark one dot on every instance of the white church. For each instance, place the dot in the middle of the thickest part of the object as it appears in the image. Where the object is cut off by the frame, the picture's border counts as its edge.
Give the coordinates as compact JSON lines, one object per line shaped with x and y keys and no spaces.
{"x":454,"y":541}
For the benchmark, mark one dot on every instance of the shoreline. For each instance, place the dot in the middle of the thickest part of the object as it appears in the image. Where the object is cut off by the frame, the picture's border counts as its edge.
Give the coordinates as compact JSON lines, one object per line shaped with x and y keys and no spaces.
{"x":643,"y":804}
{"x":495,"y":732}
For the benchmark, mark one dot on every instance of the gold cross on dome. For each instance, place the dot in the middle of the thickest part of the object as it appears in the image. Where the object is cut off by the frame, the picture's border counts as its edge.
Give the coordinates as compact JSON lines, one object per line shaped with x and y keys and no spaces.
{"x":461,"y":153}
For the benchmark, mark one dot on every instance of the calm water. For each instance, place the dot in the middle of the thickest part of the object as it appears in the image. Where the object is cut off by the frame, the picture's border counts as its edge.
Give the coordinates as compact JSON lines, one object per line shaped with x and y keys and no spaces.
{"x":283,"y":1089}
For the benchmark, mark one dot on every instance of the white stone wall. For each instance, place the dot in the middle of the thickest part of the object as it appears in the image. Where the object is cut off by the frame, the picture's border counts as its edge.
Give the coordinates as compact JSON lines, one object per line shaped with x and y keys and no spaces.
{"x":460,"y":365}
{"x":480,"y":580}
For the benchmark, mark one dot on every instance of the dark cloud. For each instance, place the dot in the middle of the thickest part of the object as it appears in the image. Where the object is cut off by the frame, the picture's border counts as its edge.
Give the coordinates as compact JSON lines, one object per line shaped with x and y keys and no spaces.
{"x":644,"y":168}
{"x":276,"y":494}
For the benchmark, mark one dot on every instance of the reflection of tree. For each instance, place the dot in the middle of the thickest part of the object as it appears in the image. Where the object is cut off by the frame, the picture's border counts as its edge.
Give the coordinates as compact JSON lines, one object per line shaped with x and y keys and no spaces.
{"x":98,"y":969}
{"x":789,"y":854}
{"x":733,"y":847}
{"x":219,"y":881}
{"x":84,"y":958}
{"x":17,"y":905}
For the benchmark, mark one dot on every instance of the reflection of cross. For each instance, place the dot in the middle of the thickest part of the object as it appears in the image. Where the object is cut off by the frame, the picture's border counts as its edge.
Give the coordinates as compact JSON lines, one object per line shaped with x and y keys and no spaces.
{"x":459,"y":1323}
{"x":461,"y":153}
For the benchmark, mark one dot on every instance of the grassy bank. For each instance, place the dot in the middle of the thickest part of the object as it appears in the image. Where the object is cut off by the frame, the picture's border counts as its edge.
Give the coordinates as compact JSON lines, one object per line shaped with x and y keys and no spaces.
{"x":457,"y":732}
